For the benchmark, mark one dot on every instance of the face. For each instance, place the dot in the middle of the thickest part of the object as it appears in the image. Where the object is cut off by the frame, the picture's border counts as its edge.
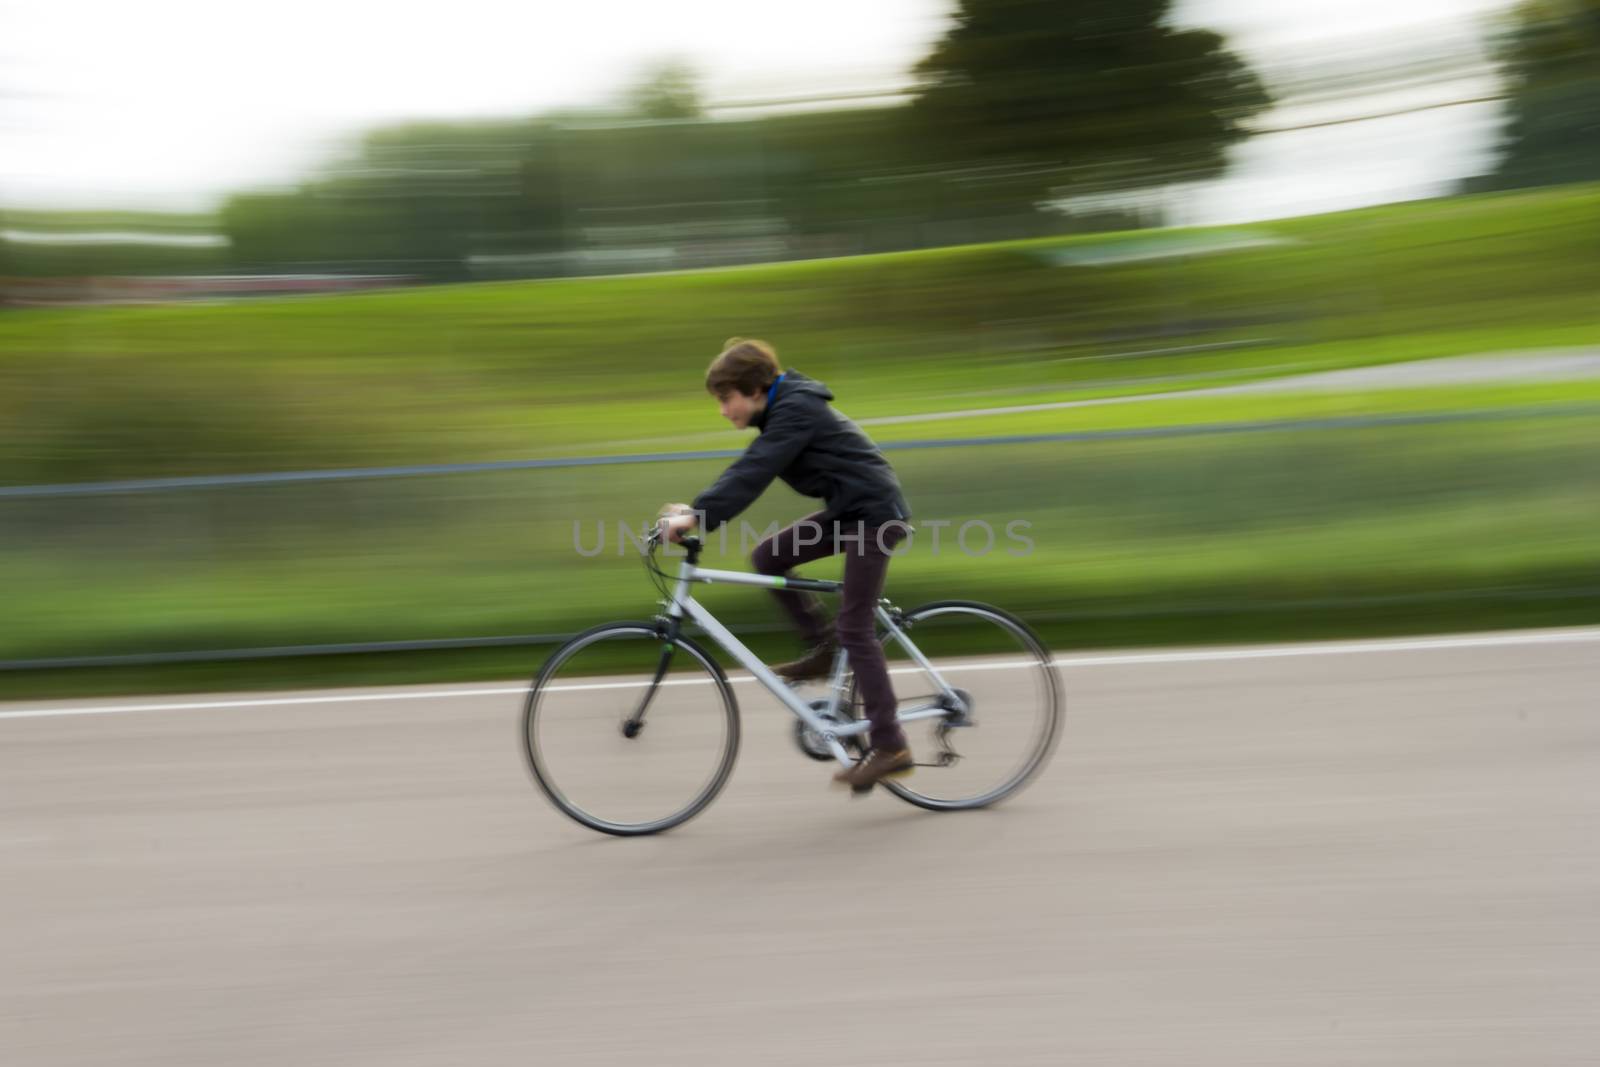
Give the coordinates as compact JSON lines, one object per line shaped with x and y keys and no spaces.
{"x":740,"y":409}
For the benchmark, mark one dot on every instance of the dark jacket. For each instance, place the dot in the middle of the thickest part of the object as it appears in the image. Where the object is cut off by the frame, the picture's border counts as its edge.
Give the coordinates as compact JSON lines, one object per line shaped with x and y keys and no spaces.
{"x":817,"y":452}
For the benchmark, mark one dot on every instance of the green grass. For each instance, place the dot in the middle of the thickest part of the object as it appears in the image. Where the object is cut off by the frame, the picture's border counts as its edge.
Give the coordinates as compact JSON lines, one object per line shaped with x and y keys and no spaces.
{"x":1303,"y":534}
{"x":1452,"y":525}
{"x":518,"y":369}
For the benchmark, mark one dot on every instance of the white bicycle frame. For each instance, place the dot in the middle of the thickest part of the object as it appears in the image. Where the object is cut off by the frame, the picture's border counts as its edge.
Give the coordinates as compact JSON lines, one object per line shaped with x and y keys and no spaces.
{"x":682,"y":604}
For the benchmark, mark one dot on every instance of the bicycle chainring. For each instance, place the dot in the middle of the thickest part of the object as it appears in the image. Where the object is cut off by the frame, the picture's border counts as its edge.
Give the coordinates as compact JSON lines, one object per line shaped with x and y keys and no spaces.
{"x":811,"y":742}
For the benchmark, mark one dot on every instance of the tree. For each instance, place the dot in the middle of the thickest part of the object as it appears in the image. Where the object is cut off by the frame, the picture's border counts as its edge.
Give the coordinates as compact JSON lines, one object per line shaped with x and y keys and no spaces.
{"x":1099,"y":92}
{"x":416,"y":198}
{"x":669,"y":89}
{"x":1549,"y":52}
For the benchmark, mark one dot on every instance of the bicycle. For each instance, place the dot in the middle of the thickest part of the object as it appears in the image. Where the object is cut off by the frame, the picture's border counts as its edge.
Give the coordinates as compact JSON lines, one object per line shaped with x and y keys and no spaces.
{"x":656,"y":665}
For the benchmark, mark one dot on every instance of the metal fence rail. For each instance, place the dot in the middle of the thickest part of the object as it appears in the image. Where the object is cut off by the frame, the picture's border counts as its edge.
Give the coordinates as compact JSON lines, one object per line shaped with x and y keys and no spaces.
{"x":1350,"y":422}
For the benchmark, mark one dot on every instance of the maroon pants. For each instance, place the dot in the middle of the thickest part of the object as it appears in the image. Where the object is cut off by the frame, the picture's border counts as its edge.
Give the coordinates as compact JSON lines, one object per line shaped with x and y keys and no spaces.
{"x":866,"y":552}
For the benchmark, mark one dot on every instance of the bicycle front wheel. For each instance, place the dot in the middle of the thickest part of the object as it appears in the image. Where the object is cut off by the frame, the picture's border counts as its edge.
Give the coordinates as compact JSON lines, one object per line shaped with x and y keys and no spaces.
{"x":1005,"y":729}
{"x":629,"y":734}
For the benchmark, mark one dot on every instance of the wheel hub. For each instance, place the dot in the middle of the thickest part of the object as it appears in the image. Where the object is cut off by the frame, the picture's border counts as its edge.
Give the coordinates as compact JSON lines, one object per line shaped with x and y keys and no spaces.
{"x":961,"y":711}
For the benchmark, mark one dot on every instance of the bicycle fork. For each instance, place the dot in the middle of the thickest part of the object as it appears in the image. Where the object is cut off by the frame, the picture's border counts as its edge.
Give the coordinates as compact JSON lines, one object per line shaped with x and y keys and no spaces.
{"x":634,"y":723}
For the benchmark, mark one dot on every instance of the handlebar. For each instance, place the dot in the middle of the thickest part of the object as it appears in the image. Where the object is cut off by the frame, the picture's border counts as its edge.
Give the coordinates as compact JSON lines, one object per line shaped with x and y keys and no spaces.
{"x":657,"y":538}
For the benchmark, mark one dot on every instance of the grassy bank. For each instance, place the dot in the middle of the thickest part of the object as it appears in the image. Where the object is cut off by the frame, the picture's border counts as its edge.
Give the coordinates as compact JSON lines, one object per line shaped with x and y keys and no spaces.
{"x":506,"y":370}
{"x":1449,"y":526}
{"x":1202,"y":538}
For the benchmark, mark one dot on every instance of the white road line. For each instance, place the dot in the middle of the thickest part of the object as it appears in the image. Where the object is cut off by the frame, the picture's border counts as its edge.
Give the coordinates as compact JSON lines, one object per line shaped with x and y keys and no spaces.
{"x":1115,"y":659}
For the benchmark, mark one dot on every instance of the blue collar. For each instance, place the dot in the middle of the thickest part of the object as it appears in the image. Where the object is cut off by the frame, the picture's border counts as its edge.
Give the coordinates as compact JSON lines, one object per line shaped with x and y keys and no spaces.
{"x":773,"y":388}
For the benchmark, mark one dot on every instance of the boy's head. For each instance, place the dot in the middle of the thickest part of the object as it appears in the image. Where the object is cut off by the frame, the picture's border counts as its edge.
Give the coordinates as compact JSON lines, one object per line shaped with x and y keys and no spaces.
{"x":740,"y":376}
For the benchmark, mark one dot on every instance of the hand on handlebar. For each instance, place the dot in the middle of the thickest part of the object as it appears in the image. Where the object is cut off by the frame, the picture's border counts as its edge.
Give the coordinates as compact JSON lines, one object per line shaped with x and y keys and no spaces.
{"x":676,"y":527}
{"x":675,"y":521}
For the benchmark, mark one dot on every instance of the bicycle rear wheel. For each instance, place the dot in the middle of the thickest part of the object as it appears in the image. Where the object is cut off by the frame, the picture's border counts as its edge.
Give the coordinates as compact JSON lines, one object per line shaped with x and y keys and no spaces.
{"x":980,"y":754}
{"x":628,"y":734}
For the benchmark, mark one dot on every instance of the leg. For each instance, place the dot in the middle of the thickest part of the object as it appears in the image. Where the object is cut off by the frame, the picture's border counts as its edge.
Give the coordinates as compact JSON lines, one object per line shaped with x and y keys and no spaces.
{"x":786,"y":550}
{"x":866,"y":565}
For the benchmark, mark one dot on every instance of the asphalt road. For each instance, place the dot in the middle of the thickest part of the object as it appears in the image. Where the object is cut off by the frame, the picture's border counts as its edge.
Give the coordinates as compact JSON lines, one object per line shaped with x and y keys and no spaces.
{"x":1364,"y":854}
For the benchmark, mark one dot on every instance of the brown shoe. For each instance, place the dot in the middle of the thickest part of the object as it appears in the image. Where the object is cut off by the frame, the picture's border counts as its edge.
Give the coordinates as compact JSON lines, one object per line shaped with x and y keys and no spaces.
{"x":814,"y":664}
{"x":878,"y":764}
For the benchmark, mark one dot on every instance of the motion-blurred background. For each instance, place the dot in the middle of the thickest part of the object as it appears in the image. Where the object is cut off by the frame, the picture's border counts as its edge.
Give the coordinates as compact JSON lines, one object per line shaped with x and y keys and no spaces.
{"x":1269,"y":320}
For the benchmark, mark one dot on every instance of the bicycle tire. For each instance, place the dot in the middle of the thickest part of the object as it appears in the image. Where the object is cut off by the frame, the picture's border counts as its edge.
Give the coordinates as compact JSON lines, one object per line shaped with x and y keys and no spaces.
{"x":548,"y":782}
{"x":1050,"y":692}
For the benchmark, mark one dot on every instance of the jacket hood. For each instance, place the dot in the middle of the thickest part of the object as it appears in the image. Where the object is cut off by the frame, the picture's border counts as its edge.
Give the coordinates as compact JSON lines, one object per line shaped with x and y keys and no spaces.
{"x":793,"y":383}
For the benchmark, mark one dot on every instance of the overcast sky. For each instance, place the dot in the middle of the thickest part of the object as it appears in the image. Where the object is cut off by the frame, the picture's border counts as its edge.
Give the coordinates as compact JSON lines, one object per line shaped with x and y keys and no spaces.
{"x":172,"y":103}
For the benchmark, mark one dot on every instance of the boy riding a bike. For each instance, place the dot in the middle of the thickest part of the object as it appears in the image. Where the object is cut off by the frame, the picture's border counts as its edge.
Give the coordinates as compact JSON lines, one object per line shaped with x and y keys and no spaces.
{"x":819,"y":453}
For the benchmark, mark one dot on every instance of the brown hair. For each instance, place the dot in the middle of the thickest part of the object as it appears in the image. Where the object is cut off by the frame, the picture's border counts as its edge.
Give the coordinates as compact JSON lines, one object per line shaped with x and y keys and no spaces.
{"x":748,"y":366}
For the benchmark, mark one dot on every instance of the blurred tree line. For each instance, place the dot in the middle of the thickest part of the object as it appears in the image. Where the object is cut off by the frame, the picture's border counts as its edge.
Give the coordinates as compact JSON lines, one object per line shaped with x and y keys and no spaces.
{"x":1018,"y":118}
{"x":1549,"y":52}
{"x":1022,"y":103}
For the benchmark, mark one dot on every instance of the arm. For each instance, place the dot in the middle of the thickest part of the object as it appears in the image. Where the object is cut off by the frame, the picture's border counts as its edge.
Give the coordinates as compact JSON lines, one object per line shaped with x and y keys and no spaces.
{"x":788,"y":431}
